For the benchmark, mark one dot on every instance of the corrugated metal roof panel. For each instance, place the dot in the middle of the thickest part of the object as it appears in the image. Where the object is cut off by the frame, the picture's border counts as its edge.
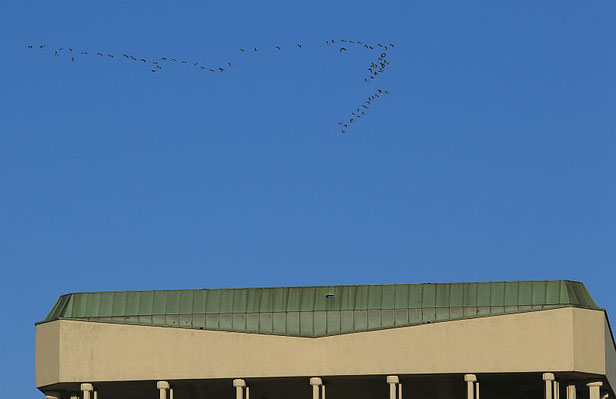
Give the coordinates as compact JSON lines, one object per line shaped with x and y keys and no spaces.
{"x":319,"y":311}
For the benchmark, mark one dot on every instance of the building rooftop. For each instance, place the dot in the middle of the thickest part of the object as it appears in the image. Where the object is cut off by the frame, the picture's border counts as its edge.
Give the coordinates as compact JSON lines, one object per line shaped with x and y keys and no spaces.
{"x":319,"y":311}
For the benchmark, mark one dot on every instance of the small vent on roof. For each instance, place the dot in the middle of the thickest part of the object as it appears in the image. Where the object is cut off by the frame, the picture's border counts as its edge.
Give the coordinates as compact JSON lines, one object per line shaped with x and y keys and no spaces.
{"x":329,"y":296}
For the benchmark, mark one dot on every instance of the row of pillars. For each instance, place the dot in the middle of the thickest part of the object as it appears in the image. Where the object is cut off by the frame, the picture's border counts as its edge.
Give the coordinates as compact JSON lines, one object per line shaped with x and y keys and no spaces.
{"x":242,"y":391}
{"x":552,"y":388}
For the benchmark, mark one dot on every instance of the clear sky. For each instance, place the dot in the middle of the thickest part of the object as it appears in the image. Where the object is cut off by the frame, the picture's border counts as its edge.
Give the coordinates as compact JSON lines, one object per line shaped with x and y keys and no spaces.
{"x":493,"y":158}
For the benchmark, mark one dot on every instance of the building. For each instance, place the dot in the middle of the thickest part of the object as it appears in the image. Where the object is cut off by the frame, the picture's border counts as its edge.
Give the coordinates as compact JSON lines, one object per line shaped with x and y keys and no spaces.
{"x":526,"y":339}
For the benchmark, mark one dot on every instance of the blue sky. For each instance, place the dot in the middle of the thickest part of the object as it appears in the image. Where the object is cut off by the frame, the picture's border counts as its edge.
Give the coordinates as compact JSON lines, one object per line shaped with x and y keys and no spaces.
{"x":493,"y":158}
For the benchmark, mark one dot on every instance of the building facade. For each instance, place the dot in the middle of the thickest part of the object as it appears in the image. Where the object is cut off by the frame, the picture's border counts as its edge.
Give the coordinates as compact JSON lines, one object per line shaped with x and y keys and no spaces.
{"x":526,"y":339}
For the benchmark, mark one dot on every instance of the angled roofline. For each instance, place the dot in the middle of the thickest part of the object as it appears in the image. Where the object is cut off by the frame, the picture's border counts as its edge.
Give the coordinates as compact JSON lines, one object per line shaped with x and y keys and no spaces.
{"x":314,"y":311}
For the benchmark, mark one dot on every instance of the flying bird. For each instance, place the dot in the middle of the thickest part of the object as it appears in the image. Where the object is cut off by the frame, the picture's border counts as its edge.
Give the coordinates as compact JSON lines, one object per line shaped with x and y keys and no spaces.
{"x":299,"y":45}
{"x":342,"y":49}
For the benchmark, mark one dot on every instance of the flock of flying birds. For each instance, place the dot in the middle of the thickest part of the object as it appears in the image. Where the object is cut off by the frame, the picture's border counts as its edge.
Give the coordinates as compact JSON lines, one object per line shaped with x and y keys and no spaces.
{"x":376,"y":68}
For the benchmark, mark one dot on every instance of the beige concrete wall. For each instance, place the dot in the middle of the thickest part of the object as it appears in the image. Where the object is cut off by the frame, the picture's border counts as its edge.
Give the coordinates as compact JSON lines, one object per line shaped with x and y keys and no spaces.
{"x":610,"y":356}
{"x":589,"y":341}
{"x":47,"y":361}
{"x":534,"y":341}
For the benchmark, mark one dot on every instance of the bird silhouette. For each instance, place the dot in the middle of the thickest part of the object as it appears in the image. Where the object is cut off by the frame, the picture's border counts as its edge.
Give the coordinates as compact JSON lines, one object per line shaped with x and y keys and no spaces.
{"x":299,"y":45}
{"x":342,"y":49}
{"x":278,"y":47}
{"x":29,"y":46}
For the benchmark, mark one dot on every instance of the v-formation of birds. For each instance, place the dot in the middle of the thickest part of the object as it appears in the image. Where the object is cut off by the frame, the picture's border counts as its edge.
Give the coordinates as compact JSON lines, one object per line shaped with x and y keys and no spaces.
{"x":377,"y":66}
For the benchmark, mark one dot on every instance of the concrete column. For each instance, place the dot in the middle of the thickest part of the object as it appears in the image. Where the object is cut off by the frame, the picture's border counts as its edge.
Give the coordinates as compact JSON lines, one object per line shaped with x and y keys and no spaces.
{"x":392,"y":380}
{"x":239,"y":385}
{"x":247,"y":392}
{"x":571,"y":393}
{"x":471,"y":380}
{"x":477,"y":390}
{"x":162,"y":387}
{"x":594,"y":389}
{"x":87,"y":388}
{"x":399,"y":390}
{"x":96,"y":395}
{"x":549,"y":388}
{"x":316,"y":383}
{"x":556,"y":389}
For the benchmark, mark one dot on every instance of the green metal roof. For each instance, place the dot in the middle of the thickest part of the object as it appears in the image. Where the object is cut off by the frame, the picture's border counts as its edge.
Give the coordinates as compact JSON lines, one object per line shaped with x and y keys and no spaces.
{"x":319,"y":311}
